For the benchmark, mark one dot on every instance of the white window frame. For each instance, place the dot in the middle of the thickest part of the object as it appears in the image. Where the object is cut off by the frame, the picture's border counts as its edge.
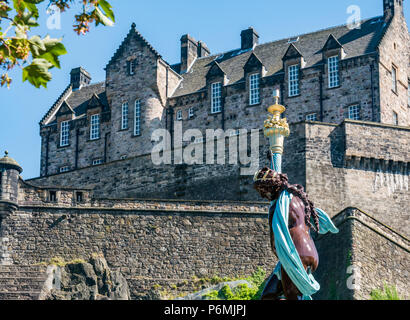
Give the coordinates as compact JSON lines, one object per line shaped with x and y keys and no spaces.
{"x":293,"y":80}
{"x":124,"y":116}
{"x":179,"y":115}
{"x":216,"y":97}
{"x":394,"y":78}
{"x":191,"y":112}
{"x":311,"y":117}
{"x":64,"y":133}
{"x":64,"y":169}
{"x":97,"y":162}
{"x":137,"y":118}
{"x":333,"y":71}
{"x":395,"y":118}
{"x":254,"y":91}
{"x":95,"y":127}
{"x":354,"y":112}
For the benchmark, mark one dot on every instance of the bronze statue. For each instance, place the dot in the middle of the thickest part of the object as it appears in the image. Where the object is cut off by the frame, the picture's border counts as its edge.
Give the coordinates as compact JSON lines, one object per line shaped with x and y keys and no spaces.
{"x":292,"y":216}
{"x":300,"y":212}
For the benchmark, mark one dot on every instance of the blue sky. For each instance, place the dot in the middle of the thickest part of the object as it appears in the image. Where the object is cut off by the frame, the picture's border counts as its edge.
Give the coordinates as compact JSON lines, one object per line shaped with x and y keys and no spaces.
{"x":162,"y":23}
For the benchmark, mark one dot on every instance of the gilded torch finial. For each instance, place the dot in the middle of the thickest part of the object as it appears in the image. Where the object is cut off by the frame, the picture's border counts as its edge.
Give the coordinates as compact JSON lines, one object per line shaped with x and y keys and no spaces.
{"x":276,"y":128}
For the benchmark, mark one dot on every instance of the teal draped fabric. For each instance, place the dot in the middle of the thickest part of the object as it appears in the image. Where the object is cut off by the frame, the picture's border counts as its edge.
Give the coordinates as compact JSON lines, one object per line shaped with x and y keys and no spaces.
{"x":288,"y":256}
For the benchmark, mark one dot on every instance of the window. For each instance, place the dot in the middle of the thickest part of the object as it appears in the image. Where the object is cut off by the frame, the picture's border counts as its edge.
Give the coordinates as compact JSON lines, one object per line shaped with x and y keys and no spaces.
{"x":131,"y":67}
{"x":137,"y":119}
{"x":179,"y":115}
{"x":333,"y":70}
{"x":53,"y":196}
{"x":311,"y":117}
{"x":293,"y":73}
{"x":79,"y":196}
{"x":234,"y":133}
{"x":64,"y":134}
{"x":124,"y":116}
{"x":254,"y":95}
{"x":395,"y":118}
{"x":216,"y":104}
{"x":394,"y":78}
{"x":95,"y":127}
{"x":64,"y":169}
{"x":408,"y":94}
{"x":96,"y":162}
{"x":354,"y":112}
{"x":191,"y":112}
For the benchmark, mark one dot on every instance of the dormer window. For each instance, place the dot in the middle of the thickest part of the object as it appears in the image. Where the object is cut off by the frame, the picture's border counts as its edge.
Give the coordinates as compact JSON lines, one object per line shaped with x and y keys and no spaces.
{"x":124,"y":116}
{"x":254,"y":94}
{"x":216,"y":94}
{"x":293,"y":80}
{"x":333,"y":71}
{"x":95,"y":127}
{"x":64,"y":133}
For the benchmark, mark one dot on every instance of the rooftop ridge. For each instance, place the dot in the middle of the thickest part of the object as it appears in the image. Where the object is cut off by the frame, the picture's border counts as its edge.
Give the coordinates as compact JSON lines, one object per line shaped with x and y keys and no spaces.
{"x":287,"y":38}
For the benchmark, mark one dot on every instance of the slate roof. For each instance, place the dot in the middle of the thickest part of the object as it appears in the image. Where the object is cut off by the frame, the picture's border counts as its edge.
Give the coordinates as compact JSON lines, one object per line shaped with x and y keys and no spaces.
{"x":355,"y":42}
{"x":78,"y":100}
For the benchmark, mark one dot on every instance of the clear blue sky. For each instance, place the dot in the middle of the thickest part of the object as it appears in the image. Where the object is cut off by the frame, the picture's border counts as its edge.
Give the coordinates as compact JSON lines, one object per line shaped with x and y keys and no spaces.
{"x":161,"y":22}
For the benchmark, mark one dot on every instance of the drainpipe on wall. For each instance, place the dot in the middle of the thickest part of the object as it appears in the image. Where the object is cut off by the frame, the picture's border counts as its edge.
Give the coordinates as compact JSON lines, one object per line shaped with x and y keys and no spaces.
{"x":106,"y":146}
{"x":77,"y":133}
{"x":321,"y":95}
{"x":372,"y":88}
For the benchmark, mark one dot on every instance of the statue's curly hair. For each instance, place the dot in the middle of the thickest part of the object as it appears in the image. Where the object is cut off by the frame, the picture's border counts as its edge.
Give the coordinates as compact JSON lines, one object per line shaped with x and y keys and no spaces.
{"x":270,"y":185}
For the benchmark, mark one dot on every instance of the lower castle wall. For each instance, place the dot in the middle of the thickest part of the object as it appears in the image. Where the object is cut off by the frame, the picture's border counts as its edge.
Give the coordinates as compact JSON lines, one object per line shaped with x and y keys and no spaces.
{"x":149,"y":247}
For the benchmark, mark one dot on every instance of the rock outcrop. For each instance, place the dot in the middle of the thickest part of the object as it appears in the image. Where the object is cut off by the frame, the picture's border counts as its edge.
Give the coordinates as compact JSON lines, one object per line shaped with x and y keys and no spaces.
{"x":92,"y":280}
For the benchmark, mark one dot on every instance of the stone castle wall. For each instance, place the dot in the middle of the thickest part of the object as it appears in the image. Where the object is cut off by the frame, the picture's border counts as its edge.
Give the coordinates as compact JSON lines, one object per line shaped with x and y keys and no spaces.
{"x":354,"y":164}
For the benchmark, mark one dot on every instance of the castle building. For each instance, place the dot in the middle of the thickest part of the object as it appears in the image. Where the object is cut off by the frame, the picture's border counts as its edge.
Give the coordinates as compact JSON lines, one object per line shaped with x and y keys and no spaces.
{"x":329,"y":75}
{"x":347,"y":96}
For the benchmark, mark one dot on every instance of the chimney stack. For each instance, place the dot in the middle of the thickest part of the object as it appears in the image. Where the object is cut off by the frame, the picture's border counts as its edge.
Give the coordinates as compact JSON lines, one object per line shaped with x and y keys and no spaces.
{"x":203,"y":50}
{"x":79,"y":78}
{"x":189,"y":52}
{"x":249,"y":38}
{"x":391,"y":8}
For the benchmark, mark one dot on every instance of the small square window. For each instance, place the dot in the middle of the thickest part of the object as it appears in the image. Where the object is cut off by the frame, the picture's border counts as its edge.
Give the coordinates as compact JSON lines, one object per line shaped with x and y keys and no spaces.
{"x":79,"y":196}
{"x":191,"y":112}
{"x":97,"y":162}
{"x":179,"y":115}
{"x":354,"y":112}
{"x":53,"y":196}
{"x":311,"y":117}
{"x":395,"y":118}
{"x":64,"y":169}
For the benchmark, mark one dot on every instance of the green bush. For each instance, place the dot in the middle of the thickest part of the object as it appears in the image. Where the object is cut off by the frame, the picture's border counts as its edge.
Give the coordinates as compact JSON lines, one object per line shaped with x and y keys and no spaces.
{"x":388,"y":293}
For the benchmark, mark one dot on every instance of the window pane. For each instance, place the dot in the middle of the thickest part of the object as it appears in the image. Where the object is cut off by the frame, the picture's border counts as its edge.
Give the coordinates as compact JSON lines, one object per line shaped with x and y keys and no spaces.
{"x":216,"y":105}
{"x":333,"y":70}
{"x":311,"y":117}
{"x":64,"y":133}
{"x":254,"y":95}
{"x":124,"y":116}
{"x":95,"y":127}
{"x":394,"y":79}
{"x":137,"y":119}
{"x":293,"y":74}
{"x":354,"y":112}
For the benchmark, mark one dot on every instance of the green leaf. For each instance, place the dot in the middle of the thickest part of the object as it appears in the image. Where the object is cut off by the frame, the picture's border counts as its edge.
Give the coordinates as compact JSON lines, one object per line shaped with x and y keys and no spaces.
{"x":48,"y":48}
{"x":37,"y":73}
{"x":107,"y":9}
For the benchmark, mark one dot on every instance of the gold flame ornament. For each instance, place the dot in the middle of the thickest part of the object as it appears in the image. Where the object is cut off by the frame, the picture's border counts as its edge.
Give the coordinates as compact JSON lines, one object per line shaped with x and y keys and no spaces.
{"x":275,"y":128}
